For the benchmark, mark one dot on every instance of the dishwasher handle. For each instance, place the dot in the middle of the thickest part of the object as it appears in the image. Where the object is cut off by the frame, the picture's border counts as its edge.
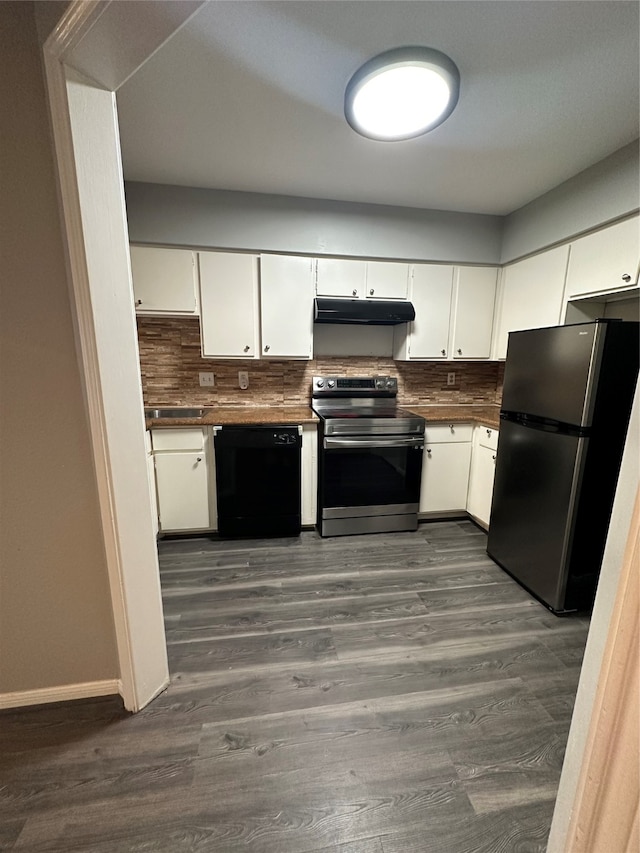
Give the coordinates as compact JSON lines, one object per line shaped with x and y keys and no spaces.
{"x":353,"y":443}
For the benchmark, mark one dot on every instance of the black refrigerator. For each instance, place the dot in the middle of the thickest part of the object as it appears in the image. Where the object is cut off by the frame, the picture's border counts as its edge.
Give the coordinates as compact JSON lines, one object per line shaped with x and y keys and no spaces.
{"x":567,"y":398}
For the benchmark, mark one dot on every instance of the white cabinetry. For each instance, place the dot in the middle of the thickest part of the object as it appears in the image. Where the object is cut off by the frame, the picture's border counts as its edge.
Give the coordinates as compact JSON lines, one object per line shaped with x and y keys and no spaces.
{"x":309,"y":474}
{"x":387,"y":280}
{"x":164,"y":281}
{"x":182,"y":478}
{"x":151,"y":474}
{"x":474,"y":296}
{"x":358,"y":279}
{"x":286,"y":314}
{"x":605,"y":260}
{"x":445,"y":468}
{"x":229,"y":320}
{"x":428,"y":335}
{"x":532,"y":295}
{"x":341,"y":277}
{"x":454,"y":313}
{"x":483,"y":469}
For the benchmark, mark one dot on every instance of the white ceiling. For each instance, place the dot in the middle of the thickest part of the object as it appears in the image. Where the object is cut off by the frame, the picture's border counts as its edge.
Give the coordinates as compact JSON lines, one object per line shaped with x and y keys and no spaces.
{"x":249,"y":96}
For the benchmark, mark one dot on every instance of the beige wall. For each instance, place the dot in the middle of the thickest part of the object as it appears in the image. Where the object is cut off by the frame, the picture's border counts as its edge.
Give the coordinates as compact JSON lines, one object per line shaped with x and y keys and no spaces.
{"x":56,"y":625}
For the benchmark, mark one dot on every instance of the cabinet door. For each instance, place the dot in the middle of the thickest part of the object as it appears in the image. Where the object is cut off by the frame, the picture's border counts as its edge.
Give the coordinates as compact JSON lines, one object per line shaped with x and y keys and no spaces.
{"x":475,"y":296}
{"x":229,"y":305}
{"x":605,"y":260}
{"x":445,"y":476}
{"x":286,"y":314}
{"x":386,"y":280}
{"x":532,"y":294}
{"x":151,"y":475}
{"x":483,"y":469}
{"x":431,"y":297}
{"x":183,"y":493}
{"x":341,"y":277}
{"x":164,"y":280}
{"x":309,"y":472}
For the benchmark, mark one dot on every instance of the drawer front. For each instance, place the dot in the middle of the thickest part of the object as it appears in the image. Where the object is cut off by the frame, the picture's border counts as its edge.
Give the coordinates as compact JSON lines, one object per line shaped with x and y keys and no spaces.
{"x":488,"y":437}
{"x":440,"y":433}
{"x":178,"y":439}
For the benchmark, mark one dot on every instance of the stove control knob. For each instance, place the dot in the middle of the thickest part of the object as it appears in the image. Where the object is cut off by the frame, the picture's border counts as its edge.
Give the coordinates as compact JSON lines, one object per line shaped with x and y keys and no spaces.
{"x":379,"y":383}
{"x":390,"y":383}
{"x":330,"y":383}
{"x":320,"y":383}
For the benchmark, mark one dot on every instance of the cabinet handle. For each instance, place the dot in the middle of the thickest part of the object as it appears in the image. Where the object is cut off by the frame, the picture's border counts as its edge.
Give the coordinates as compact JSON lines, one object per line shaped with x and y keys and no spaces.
{"x":354,"y":292}
{"x":494,"y":457}
{"x":459,"y":352}
{"x":138,"y":301}
{"x":371,"y":292}
{"x":247,"y":348}
{"x":451,"y":428}
{"x":199,"y":459}
{"x":267,"y":348}
{"x":626,"y":277}
{"x":443,"y":351}
{"x":489,"y":432}
{"x":428,"y":449}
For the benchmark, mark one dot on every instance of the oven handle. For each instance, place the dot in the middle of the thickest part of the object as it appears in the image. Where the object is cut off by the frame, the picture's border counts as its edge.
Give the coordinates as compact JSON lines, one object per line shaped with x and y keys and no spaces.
{"x":330,"y":443}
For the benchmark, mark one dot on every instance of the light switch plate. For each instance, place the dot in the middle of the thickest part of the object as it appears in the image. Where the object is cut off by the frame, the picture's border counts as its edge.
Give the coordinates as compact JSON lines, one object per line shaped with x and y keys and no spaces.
{"x":206,"y":379}
{"x":243,"y":379}
{"x":451,"y":379}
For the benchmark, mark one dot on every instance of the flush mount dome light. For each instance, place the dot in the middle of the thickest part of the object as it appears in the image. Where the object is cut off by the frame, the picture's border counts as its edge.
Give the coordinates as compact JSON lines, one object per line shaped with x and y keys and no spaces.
{"x":402,"y":93}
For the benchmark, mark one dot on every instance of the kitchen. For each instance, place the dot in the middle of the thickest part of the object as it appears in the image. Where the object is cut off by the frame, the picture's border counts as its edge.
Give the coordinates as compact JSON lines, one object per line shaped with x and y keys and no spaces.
{"x":411,"y":254}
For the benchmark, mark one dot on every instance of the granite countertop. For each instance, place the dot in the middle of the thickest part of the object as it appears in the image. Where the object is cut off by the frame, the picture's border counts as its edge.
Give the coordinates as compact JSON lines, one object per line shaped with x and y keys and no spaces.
{"x":220,"y":415}
{"x":489,"y":415}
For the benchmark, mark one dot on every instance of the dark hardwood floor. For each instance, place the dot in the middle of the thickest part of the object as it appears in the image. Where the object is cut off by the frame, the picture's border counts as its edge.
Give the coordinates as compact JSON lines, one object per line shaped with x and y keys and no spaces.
{"x":372,"y":694}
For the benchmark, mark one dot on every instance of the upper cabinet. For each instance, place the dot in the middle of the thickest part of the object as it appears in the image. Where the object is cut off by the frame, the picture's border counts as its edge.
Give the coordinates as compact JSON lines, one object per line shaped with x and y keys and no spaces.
{"x":164,"y":281}
{"x":340,"y":277}
{"x":255,"y":307}
{"x":387,"y":280}
{"x":229,"y":321}
{"x":428,"y":335}
{"x":358,"y":279}
{"x":532,"y":295}
{"x":473,"y":305}
{"x":605,"y":260}
{"x":454,"y":313}
{"x":286,"y":314}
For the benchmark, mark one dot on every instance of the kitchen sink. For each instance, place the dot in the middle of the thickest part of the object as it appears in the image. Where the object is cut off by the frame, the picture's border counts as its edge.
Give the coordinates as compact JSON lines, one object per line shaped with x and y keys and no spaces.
{"x":174,"y":412}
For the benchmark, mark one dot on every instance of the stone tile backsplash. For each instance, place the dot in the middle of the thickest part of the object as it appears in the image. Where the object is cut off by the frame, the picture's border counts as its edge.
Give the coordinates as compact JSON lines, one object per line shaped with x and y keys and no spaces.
{"x":170,"y":362}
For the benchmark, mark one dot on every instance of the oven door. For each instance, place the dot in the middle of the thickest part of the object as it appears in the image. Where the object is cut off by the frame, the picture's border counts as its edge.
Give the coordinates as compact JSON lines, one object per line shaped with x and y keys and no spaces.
{"x":369,"y":483}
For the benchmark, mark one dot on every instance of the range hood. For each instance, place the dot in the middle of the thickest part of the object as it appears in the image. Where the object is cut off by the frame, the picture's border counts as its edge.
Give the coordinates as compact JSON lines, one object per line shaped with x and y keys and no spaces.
{"x":363,"y":312}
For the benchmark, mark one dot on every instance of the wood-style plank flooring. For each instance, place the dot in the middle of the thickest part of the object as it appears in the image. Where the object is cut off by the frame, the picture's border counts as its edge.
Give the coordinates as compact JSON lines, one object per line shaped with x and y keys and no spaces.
{"x":371,"y":694}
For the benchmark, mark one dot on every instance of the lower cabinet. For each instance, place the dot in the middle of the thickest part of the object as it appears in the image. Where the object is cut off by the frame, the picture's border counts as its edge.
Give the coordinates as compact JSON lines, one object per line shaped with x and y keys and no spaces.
{"x":445,"y":468}
{"x":183,"y":484}
{"x":309,"y":474}
{"x":151,"y":474}
{"x":483,"y":468}
{"x":183,"y":478}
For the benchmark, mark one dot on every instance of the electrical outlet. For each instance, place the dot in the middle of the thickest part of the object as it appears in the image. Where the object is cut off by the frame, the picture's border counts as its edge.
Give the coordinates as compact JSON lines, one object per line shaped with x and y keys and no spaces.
{"x":451,"y":379}
{"x":243,"y":379}
{"x":206,"y":379}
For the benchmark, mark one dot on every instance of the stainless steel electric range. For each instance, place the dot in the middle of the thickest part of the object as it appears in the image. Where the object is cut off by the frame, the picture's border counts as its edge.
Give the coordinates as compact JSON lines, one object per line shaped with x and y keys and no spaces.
{"x":369,"y":456}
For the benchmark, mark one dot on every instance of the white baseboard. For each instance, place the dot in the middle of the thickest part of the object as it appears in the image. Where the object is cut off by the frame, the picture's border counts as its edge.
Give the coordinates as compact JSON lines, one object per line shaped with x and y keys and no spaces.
{"x":63,"y":693}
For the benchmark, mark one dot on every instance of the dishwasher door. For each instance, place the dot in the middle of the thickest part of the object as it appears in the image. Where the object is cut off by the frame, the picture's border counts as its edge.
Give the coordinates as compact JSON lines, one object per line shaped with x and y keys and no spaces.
{"x":258,"y":480}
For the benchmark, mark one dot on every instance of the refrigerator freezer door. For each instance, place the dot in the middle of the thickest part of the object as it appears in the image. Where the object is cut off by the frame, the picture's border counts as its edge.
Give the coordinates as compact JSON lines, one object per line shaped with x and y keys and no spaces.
{"x":534,"y":501}
{"x":552,"y":373}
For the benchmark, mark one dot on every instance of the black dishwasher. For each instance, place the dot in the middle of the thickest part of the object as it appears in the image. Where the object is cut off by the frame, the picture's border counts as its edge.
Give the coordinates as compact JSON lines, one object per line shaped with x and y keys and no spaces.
{"x":258,"y":471}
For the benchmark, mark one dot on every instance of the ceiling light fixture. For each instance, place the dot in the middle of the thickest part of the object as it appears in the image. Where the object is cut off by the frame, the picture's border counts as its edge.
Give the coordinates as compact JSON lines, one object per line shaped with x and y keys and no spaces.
{"x":402,"y":93}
